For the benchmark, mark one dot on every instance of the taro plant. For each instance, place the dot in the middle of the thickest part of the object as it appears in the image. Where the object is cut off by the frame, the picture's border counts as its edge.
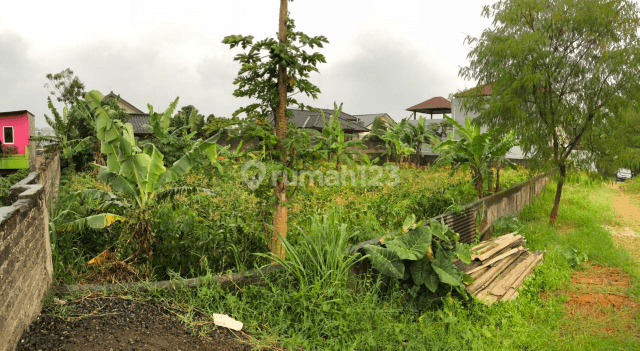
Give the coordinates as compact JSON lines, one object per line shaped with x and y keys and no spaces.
{"x":575,"y":257}
{"x":138,"y":177}
{"x":423,"y":255}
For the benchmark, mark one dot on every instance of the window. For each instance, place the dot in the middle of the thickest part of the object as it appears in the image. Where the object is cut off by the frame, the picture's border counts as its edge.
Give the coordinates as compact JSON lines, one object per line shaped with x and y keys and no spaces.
{"x":8,"y":135}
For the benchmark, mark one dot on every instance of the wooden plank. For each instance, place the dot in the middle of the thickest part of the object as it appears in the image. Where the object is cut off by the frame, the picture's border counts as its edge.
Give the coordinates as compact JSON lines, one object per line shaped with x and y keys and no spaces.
{"x":492,"y":273}
{"x":507,"y":281}
{"x":513,"y":290}
{"x":499,"y":247}
{"x":479,"y":273}
{"x":480,"y":250}
{"x":496,"y":259}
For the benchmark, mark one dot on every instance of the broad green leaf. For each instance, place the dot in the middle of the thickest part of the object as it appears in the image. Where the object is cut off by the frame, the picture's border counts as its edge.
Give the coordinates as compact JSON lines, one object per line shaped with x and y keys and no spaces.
{"x":385,"y":261}
{"x":98,"y":221}
{"x":423,"y":273}
{"x":463,"y":252}
{"x":439,"y":230}
{"x":409,"y":222}
{"x":413,"y":245}
{"x":447,"y":271}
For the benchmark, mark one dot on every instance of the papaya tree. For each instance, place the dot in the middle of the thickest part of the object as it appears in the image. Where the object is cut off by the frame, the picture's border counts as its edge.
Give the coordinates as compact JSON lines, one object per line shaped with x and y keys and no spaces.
{"x":137,"y":175}
{"x":272,"y":72}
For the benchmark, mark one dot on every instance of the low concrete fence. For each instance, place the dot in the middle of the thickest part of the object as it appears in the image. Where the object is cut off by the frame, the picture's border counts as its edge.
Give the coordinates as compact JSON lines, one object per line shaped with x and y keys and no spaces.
{"x":478,"y":216}
{"x":26,"y":269}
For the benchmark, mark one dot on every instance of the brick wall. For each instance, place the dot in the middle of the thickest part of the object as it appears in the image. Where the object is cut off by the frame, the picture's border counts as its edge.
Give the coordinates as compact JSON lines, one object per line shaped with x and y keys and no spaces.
{"x":26,"y":269}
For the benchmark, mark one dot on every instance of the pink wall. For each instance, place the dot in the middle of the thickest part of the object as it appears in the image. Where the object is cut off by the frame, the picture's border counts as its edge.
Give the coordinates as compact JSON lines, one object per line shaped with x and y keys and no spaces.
{"x":20,"y":124}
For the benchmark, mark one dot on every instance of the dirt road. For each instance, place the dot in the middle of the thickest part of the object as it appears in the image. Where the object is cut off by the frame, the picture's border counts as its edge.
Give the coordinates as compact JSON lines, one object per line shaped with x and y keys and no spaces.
{"x":629,"y":213}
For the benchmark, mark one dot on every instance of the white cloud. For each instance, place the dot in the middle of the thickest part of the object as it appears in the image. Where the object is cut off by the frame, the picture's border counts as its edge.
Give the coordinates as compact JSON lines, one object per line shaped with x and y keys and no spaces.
{"x":383,"y":56}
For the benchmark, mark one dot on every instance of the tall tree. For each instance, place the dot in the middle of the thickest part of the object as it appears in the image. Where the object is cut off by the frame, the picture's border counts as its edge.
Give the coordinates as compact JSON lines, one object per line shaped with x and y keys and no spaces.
{"x":65,"y":87}
{"x":560,"y":70}
{"x":272,"y":72}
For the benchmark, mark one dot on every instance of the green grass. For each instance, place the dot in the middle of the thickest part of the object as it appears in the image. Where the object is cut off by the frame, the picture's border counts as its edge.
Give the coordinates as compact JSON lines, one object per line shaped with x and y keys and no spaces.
{"x":367,"y":314}
{"x":326,"y":309}
{"x":221,"y":233}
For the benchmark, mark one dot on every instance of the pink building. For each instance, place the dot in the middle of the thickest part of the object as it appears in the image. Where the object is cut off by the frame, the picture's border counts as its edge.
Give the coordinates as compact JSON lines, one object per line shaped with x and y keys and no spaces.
{"x":16,"y":127}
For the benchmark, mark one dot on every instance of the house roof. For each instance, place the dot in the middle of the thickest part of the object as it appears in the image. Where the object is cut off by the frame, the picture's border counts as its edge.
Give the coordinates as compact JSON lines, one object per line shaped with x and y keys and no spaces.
{"x":14,"y":113}
{"x":133,"y":109}
{"x":483,"y":90}
{"x":368,"y":119}
{"x":436,"y":105}
{"x":138,"y":121}
{"x":313,"y":120}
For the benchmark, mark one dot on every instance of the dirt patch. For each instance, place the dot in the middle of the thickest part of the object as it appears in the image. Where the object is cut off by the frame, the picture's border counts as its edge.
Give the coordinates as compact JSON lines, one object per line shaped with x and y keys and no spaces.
{"x":598,"y":303}
{"x":626,"y":237}
{"x":120,"y":324}
{"x":601,"y":276}
{"x":625,"y":232}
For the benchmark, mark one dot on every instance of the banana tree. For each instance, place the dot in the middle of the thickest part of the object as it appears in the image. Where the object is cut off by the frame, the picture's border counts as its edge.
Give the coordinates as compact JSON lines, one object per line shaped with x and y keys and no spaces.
{"x":472,"y":151}
{"x":498,"y":154}
{"x":416,"y":135}
{"x":137,"y":175}
{"x":66,"y":137}
{"x":333,"y":139}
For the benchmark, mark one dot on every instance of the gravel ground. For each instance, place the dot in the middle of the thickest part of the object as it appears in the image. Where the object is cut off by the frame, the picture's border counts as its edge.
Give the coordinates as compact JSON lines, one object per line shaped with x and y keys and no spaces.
{"x":119,"y":324}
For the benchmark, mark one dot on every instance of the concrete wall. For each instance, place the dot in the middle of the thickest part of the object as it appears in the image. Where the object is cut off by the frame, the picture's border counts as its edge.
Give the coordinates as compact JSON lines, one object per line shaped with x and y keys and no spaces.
{"x":26,"y":269}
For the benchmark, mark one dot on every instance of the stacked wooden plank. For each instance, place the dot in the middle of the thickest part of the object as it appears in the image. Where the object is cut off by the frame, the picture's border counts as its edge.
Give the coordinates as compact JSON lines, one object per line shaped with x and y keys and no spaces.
{"x":499,"y":266}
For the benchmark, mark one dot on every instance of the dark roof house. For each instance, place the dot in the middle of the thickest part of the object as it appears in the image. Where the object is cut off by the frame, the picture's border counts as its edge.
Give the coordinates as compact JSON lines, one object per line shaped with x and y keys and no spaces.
{"x":368,"y":120}
{"x":313,"y":120}
{"x":138,"y":119}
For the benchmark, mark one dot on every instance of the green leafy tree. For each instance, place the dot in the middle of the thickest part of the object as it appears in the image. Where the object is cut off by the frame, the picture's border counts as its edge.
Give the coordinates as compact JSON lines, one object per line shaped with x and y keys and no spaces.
{"x":138,"y":176}
{"x":216,"y":124}
{"x":189,"y":119}
{"x":333,"y":139}
{"x":173,"y":139}
{"x":272,"y":72}
{"x":65,"y":87}
{"x":417,"y":135}
{"x":66,"y":136}
{"x":498,"y":156}
{"x":560,"y":70}
{"x":473,"y":150}
{"x":394,"y":138}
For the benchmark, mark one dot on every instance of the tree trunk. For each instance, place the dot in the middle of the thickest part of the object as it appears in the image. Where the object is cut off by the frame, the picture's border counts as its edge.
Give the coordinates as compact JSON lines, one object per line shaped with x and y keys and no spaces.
{"x":490,"y":181}
{"x":497,"y":179}
{"x":279,"y":220}
{"x":556,"y":201}
{"x":477,"y":182}
{"x":280,"y":190}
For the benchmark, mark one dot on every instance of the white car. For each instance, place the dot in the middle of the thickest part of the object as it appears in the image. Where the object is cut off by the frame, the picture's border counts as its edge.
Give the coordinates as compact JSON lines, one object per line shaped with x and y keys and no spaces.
{"x":623,"y":174}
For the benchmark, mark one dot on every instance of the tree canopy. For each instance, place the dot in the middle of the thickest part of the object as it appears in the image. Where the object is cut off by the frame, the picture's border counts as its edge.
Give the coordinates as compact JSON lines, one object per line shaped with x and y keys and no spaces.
{"x":560,"y":71}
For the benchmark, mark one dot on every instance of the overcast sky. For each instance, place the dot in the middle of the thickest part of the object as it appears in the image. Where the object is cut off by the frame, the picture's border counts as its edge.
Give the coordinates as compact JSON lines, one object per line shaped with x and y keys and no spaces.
{"x":382,"y":56}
